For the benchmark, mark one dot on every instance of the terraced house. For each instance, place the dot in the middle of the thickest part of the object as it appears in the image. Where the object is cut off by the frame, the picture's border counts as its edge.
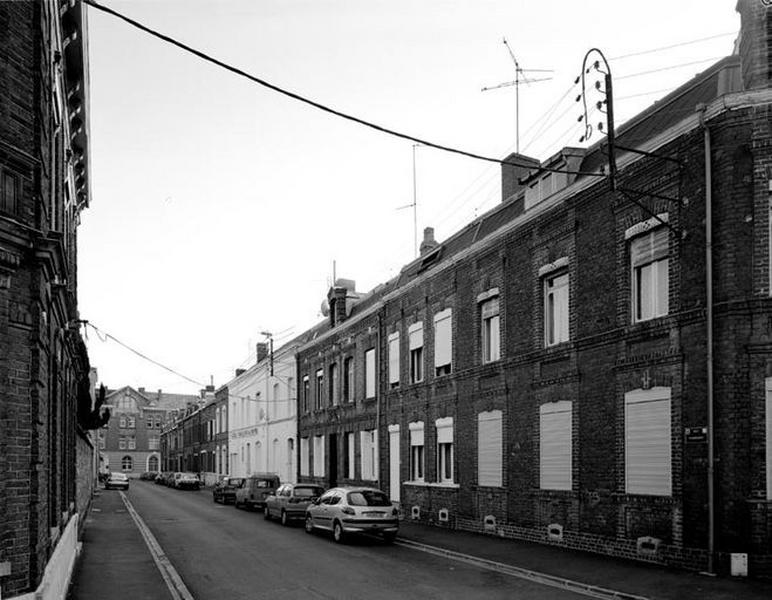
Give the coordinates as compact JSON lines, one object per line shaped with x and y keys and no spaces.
{"x":580,"y":366}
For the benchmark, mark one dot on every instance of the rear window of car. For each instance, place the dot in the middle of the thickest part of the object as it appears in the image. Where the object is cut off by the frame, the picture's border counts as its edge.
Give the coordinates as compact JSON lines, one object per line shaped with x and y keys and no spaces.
{"x":307,"y":492}
{"x":264,"y":483}
{"x":368,"y":498}
{"x":234,"y":481}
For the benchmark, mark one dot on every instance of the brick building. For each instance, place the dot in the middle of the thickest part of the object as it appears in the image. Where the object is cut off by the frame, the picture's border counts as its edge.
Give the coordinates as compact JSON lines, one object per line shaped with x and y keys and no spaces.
{"x":544,"y":373}
{"x":221,"y":431}
{"x":46,"y":402}
{"x":131,"y":441}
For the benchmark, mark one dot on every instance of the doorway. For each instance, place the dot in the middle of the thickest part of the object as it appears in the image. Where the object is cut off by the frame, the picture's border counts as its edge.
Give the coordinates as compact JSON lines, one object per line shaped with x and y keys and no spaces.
{"x":333,"y":460}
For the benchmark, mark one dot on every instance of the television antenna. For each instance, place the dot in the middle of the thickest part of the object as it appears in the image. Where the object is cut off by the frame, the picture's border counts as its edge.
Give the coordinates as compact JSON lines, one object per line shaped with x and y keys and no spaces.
{"x":520,"y":77}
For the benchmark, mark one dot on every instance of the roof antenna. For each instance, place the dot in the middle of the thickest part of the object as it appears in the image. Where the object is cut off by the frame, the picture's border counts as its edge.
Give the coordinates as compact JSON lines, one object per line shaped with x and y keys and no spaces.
{"x":520,"y":77}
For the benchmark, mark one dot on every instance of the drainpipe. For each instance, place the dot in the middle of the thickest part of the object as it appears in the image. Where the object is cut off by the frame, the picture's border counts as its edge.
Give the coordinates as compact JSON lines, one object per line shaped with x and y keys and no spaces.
{"x":709,"y":325}
{"x":378,"y":400}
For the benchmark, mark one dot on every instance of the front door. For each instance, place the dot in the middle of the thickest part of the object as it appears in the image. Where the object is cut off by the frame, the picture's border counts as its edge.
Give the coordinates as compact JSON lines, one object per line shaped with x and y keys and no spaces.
{"x":332,"y":469}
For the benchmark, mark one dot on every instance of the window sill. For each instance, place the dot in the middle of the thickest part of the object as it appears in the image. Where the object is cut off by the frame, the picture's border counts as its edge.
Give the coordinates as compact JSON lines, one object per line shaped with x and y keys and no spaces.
{"x":432,"y":484}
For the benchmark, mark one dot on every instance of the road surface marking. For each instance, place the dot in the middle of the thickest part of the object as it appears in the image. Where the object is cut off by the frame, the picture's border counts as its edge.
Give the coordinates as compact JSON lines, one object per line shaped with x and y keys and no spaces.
{"x":569,"y":585}
{"x":177,"y":587}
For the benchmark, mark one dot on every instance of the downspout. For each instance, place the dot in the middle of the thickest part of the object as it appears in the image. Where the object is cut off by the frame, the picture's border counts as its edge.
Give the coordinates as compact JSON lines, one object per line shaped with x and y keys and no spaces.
{"x":709,"y":326}
{"x":378,"y":401}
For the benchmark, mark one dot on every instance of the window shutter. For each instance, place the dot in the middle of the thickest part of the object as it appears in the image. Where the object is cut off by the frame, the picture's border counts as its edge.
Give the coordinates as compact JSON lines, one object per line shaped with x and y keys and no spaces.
{"x":649,"y":247}
{"x":416,"y":433}
{"x":370,"y":373}
{"x":351,"y":456}
{"x":444,"y":430}
{"x":374,"y":454}
{"x":489,"y":449}
{"x":490,"y":308}
{"x":416,"y":335}
{"x":394,"y":358}
{"x":304,"y":456}
{"x":443,"y":338}
{"x":769,"y":437}
{"x":555,"y":446}
{"x":648,"y":442}
{"x":364,"y":444}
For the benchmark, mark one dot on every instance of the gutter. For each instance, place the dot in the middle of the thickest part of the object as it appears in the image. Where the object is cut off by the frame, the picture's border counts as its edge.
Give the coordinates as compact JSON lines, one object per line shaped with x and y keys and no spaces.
{"x":709,"y":325}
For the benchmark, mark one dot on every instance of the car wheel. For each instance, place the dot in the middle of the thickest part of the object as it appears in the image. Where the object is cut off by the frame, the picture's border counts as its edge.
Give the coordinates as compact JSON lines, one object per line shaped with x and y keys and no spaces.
{"x":284,"y":518}
{"x":309,"y":524}
{"x":266,"y":513}
{"x":337,"y":533}
{"x":389,"y":537}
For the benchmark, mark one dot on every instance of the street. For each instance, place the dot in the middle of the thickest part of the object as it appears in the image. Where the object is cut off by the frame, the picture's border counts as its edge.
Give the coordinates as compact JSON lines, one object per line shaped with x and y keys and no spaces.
{"x":222,"y":552}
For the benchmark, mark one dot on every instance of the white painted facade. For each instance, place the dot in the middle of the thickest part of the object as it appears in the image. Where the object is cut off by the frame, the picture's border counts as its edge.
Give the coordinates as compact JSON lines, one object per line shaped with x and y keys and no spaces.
{"x":262,"y":417}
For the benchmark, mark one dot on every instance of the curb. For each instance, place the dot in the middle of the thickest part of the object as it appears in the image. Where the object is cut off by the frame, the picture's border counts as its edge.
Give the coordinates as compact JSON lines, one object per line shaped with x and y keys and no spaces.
{"x":593,"y":591}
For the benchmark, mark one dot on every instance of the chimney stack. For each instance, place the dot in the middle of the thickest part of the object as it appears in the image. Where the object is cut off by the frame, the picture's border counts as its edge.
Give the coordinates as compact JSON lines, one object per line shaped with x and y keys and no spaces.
{"x":755,"y":47}
{"x":512,"y":173}
{"x":262,"y":351}
{"x":429,"y":242}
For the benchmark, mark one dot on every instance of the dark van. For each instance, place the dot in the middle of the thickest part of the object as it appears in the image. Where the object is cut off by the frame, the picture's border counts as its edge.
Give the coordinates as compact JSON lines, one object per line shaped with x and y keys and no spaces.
{"x":257,"y":487}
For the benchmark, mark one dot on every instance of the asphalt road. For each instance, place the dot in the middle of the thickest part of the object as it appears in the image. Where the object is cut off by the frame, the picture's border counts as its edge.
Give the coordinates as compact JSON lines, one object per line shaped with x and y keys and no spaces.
{"x":225,"y":553}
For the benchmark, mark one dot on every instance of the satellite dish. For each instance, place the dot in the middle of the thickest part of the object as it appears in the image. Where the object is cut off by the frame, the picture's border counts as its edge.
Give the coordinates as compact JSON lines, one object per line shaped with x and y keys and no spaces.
{"x":325,"y":308}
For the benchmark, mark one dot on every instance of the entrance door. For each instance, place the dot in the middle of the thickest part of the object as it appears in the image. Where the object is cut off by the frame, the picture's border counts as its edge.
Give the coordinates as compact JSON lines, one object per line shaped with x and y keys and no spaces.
{"x":332,"y":467}
{"x":394,"y":482}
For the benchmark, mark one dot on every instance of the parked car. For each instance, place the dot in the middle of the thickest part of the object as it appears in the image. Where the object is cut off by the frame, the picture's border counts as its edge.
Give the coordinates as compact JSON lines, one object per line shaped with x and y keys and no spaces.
{"x":256,"y":489}
{"x":290,"y":501}
{"x":117,"y":481}
{"x":349,"y":510}
{"x":148,"y":476}
{"x":186,"y":481}
{"x":160,"y":478}
{"x":225,"y":489}
{"x":169,"y":482}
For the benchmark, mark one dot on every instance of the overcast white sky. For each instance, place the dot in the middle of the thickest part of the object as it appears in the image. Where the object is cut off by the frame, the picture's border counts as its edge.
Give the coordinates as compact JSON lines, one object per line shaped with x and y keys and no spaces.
{"x":218,"y":206}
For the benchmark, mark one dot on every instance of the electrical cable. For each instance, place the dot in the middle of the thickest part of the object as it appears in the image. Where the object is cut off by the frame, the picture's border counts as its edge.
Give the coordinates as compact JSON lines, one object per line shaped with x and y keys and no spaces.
{"x":678,"y":45}
{"x":678,"y":66}
{"x":235,"y":70}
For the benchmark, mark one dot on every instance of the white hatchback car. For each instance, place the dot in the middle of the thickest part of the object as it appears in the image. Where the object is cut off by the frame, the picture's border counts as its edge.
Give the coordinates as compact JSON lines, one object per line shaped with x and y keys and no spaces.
{"x":347,"y":510}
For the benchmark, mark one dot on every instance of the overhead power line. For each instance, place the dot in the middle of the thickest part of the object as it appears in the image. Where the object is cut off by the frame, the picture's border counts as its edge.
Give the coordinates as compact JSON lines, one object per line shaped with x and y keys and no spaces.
{"x":318,"y":105}
{"x":678,"y":45}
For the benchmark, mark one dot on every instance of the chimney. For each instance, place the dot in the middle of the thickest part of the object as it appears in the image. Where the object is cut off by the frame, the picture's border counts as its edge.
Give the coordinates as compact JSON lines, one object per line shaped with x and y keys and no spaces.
{"x":340,"y":298}
{"x":262,"y":351}
{"x":240,"y":372}
{"x":429,"y":242}
{"x":141,"y":390}
{"x":512,"y":173}
{"x":755,"y":44}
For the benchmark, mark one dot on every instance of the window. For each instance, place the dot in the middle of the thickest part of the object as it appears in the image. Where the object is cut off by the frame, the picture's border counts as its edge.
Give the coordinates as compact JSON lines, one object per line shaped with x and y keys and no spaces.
{"x":489,"y":449}
{"x":369,"y":445}
{"x":319,"y":389}
{"x":555,"y":446}
{"x":152,"y":464}
{"x":443,"y":342}
{"x":217,"y":421}
{"x":370,"y":373}
{"x":9,"y":192}
{"x":348,"y":379}
{"x":122,"y":422}
{"x":159,"y":421}
{"x":127,"y":463}
{"x":318,"y":456}
{"x":416,"y":450}
{"x":122,"y":442}
{"x":394,"y":359}
{"x":132,"y":442}
{"x":416,"y":342}
{"x":650,"y":279}
{"x":149,"y":423}
{"x":334,"y":384}
{"x":153,"y":443}
{"x":444,"y":449}
{"x":648,"y":442}
{"x":489,"y":312}
{"x":132,"y":422}
{"x":350,"y":455}
{"x":768,"y":438}
{"x":556,"y":309}
{"x":306,"y":393}
{"x":102,"y":444}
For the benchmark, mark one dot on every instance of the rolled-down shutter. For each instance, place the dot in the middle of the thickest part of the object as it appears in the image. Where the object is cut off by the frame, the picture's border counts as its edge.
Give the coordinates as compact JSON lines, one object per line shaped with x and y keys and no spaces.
{"x":648,"y":442}
{"x":443,"y":338}
{"x":555,"y":446}
{"x":394,"y":358}
{"x":489,"y":449}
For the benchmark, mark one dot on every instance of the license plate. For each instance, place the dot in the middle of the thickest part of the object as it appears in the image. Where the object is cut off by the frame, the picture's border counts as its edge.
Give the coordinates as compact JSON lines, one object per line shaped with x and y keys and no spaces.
{"x":373,"y":514}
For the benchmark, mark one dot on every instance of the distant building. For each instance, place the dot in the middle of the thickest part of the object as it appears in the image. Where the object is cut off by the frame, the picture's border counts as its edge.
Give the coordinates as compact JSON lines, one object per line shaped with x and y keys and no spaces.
{"x":221,"y":431}
{"x":131,"y":441}
{"x":46,"y":403}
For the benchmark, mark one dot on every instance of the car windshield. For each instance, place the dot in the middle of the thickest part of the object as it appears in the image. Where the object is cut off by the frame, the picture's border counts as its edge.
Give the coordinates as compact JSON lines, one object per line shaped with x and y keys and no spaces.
{"x":307,"y":492}
{"x":368,"y":498}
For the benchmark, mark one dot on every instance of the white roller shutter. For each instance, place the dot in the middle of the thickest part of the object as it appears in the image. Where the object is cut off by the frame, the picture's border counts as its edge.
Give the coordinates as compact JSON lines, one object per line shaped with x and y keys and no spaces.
{"x":394,"y":463}
{"x":648,"y":442}
{"x":555,"y":446}
{"x":444,"y":430}
{"x":489,"y":449}
{"x":416,"y":433}
{"x":351,"y":455}
{"x":394,"y":358}
{"x":416,"y":335}
{"x":370,"y":373}
{"x":304,"y":456}
{"x":443,"y":338}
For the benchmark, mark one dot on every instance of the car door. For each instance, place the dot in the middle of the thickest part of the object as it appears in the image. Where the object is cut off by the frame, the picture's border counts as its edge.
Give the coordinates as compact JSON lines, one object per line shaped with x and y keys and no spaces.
{"x":318,"y":511}
{"x":274,"y":502}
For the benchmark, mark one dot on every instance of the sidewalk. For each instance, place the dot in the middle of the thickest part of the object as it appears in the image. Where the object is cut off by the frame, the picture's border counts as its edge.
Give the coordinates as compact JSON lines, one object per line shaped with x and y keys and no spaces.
{"x":115,"y":562}
{"x":626,"y":576}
